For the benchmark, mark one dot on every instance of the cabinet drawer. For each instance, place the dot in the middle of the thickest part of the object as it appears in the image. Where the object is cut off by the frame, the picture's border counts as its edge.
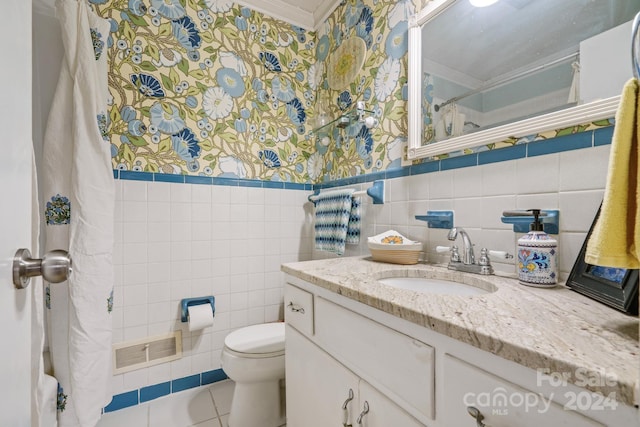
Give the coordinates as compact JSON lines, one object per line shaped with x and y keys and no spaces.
{"x":501,"y":403}
{"x":298,"y":309}
{"x":399,"y":366}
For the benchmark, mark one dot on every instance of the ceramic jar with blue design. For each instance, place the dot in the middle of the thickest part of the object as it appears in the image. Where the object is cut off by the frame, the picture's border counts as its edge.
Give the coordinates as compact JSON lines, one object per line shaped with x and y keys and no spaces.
{"x":538,"y":259}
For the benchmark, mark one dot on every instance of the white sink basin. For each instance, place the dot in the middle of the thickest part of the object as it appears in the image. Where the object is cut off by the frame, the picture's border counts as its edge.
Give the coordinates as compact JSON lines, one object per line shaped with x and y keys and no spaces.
{"x":433,"y":286}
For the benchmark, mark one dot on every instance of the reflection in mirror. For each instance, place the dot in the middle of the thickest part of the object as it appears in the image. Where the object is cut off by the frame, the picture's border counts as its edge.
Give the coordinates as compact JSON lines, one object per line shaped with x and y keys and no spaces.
{"x":483,"y":68}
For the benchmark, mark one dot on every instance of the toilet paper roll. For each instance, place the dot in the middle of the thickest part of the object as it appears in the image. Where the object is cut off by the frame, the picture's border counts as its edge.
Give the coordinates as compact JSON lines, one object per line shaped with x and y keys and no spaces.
{"x":200,"y":316}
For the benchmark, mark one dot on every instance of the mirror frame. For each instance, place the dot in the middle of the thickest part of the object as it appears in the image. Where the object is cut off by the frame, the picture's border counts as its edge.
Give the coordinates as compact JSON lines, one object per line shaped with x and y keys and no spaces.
{"x":592,"y":111}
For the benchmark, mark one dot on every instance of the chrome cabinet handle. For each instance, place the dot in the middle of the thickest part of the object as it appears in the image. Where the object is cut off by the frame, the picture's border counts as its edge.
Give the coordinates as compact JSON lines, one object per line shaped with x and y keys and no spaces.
{"x":295,"y":308}
{"x":475,"y":413}
{"x":364,"y":412}
{"x":345,"y":410}
{"x":54,"y":267}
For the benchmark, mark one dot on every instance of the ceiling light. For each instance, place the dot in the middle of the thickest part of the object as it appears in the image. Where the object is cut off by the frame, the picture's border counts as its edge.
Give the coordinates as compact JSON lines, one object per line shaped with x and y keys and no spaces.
{"x":482,"y":3}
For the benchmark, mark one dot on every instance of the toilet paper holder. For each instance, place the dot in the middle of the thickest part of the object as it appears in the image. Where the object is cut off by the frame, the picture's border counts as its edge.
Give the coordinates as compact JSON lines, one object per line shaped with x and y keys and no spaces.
{"x":185,"y":303}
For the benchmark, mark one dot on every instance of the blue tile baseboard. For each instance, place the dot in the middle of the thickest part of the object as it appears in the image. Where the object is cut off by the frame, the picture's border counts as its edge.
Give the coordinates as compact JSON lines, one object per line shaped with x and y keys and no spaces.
{"x":592,"y":138}
{"x":145,"y":394}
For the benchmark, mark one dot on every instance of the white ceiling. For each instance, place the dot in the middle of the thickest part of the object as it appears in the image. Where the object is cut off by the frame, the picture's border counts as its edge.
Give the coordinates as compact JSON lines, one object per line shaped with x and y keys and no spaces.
{"x":308,"y":14}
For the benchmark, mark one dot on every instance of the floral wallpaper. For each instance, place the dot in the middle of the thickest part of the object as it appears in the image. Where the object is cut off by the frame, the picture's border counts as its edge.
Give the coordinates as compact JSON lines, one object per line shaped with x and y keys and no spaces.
{"x":212,"y":88}
{"x":208,"y":87}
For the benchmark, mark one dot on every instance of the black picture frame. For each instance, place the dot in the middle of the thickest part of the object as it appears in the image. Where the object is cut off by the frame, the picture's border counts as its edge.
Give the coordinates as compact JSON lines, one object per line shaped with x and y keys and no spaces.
{"x":615,"y":287}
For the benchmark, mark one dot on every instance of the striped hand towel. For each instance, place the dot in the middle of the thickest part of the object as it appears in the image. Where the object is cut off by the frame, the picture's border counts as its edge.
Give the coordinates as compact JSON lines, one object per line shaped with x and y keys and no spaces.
{"x":337,"y":220}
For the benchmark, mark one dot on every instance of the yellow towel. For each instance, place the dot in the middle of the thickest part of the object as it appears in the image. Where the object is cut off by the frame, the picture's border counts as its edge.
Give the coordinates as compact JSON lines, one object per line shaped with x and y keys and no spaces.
{"x":615,"y":239}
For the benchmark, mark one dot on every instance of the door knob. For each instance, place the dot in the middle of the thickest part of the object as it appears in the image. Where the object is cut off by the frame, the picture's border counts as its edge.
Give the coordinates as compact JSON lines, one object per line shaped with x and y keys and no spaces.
{"x":54,"y":267}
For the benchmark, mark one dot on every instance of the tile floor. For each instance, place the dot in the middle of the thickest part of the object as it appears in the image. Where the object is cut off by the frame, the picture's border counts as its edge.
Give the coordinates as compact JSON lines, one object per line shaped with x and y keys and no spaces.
{"x":206,"y":406}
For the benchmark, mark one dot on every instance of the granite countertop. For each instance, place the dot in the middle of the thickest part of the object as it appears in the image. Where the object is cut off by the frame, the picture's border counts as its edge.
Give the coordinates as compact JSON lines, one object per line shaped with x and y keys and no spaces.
{"x":553,"y":328}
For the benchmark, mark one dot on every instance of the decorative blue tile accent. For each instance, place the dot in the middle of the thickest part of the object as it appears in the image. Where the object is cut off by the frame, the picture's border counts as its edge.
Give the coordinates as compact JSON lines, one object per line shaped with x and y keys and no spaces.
{"x":214,"y":376}
{"x":231,"y":182}
{"x":502,"y":154}
{"x":136,"y":176}
{"x":154,"y":391}
{"x":556,"y":145}
{"x":602,"y":136}
{"x":121,"y":401}
{"x":459,"y":162}
{"x":297,"y":186}
{"x":254,"y":183}
{"x":167,"y":177}
{"x":426,"y":167}
{"x":272,"y":184}
{"x":396,"y":173}
{"x":206,"y":180}
{"x":185,"y":383}
{"x":116,"y":174}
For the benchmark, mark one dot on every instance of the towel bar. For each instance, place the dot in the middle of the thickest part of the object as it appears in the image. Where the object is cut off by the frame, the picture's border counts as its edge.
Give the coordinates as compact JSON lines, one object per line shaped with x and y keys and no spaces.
{"x":376,"y":192}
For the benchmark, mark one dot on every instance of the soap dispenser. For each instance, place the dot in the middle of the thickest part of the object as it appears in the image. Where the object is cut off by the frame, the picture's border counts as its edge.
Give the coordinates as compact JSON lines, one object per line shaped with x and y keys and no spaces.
{"x":537,"y":256}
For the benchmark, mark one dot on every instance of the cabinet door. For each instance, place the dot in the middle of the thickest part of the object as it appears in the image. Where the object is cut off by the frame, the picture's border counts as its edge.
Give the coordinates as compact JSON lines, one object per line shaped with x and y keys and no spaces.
{"x":382,"y":412}
{"x":499,"y":402}
{"x":317,"y":385}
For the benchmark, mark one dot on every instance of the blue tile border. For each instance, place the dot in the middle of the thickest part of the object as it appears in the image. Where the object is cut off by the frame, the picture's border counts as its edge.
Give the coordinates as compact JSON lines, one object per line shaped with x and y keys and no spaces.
{"x":185,"y":383}
{"x":602,"y":136}
{"x":123,"y":400}
{"x":155,"y":391}
{"x":502,"y":154}
{"x":211,"y":377}
{"x":459,"y":162}
{"x":592,"y":138}
{"x":563,"y":143}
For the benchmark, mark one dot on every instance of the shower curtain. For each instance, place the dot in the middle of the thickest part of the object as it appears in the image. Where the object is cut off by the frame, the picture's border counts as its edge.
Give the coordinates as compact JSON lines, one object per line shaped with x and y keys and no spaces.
{"x":78,"y":193}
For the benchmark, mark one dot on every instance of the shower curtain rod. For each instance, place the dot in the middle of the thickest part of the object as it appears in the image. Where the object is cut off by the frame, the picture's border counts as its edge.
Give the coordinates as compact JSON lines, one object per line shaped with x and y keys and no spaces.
{"x":507,"y":80}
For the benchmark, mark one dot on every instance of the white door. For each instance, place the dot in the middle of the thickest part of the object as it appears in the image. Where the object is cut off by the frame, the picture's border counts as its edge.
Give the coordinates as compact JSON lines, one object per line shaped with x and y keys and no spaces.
{"x":15,"y":210}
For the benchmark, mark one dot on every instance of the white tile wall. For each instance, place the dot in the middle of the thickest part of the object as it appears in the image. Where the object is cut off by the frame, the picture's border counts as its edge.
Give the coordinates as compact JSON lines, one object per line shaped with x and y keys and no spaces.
{"x":572,"y":182}
{"x":176,"y":241}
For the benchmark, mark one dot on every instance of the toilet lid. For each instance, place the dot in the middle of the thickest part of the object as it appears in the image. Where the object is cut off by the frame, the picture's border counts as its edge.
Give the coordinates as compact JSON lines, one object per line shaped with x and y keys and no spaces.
{"x":257,"y":339}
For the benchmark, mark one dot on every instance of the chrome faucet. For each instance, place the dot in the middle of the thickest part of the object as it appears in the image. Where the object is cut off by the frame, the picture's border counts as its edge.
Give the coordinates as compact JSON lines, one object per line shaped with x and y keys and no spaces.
{"x":468,"y":257}
{"x":467,"y":262}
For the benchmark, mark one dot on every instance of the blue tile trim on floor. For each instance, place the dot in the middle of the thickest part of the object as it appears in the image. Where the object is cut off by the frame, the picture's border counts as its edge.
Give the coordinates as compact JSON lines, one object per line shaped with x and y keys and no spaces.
{"x":154,"y":391}
{"x":593,"y":138}
{"x":130,"y":398}
{"x":211,"y":377}
{"x":185,"y":383}
{"x":121,"y":401}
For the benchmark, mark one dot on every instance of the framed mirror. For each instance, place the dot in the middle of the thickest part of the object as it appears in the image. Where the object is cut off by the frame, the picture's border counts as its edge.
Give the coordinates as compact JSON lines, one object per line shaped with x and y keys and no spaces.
{"x":481,"y":75}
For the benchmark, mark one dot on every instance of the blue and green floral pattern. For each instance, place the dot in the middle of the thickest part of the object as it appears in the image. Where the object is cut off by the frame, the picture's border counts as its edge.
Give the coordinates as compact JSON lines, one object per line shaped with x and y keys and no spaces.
{"x":58,"y":210}
{"x":212,"y":88}
{"x":61,"y":401}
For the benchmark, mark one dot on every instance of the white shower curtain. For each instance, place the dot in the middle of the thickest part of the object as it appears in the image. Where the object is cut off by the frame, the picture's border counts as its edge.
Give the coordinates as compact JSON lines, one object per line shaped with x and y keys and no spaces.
{"x":78,"y":193}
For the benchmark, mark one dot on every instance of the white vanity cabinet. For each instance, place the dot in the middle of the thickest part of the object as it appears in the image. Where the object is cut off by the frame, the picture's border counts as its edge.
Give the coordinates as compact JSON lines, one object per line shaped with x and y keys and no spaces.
{"x":499,"y":403}
{"x":411,"y":376}
{"x":322,"y":392}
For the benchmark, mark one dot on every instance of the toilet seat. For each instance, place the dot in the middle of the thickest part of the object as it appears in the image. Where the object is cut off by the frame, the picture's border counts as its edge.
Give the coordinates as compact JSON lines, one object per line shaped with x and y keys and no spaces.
{"x":264,"y":340}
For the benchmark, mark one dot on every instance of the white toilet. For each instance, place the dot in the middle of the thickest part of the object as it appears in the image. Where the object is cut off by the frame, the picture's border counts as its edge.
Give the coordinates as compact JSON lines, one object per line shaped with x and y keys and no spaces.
{"x":253,"y":357}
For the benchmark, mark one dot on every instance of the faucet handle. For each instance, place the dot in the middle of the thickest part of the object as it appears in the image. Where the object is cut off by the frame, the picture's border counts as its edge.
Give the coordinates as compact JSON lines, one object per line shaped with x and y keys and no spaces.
{"x":455,"y":256}
{"x":500,"y":254}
